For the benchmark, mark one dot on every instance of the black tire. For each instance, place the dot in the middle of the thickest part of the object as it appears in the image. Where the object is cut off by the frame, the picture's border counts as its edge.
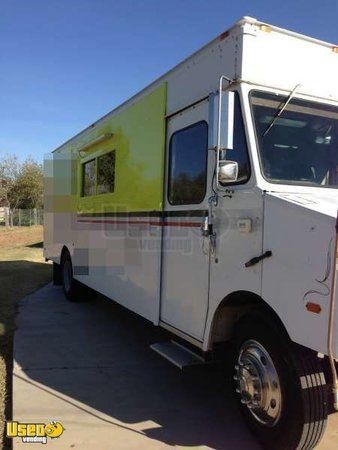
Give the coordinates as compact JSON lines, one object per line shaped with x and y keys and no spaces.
{"x":300,"y":419}
{"x":57,"y":276}
{"x":71,"y":287}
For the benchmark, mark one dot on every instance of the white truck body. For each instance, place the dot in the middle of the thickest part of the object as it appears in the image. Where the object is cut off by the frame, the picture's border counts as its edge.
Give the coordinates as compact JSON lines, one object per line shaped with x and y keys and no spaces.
{"x":161,"y":266}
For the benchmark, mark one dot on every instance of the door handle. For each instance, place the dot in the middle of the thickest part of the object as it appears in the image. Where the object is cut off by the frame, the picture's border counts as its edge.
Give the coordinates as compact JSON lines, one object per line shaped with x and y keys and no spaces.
{"x":257,"y":259}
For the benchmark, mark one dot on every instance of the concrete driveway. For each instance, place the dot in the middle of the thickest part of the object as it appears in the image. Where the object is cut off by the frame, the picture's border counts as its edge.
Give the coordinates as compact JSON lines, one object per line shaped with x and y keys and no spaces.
{"x":89,"y":366}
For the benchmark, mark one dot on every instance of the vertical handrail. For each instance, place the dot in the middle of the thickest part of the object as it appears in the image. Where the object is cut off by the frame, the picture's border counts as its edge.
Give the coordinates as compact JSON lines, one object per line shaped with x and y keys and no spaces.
{"x":219,"y":123}
{"x":219,"y":117}
{"x":330,"y":349}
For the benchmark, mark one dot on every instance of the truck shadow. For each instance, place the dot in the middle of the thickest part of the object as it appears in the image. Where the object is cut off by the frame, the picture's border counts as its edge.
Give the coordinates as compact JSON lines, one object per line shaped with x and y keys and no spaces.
{"x":97,"y":353}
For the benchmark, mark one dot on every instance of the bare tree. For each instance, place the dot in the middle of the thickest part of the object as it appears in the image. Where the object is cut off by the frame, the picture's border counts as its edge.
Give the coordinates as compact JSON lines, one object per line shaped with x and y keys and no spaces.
{"x":9,"y":173}
{"x":21,"y":184}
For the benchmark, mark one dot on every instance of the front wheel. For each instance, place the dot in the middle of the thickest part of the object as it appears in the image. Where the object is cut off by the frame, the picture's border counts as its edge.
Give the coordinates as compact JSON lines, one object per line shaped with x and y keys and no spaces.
{"x":280,"y":387}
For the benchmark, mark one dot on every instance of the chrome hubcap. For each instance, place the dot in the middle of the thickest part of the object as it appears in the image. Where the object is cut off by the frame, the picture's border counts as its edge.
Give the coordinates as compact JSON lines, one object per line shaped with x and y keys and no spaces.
{"x":258,"y":383}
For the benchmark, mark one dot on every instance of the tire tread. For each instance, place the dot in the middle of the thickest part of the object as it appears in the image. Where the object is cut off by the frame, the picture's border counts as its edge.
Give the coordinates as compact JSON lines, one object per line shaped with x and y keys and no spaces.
{"x":306,"y":377}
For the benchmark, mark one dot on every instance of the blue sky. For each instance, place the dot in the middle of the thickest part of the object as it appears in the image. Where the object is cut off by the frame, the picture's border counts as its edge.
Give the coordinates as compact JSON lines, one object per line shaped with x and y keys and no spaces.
{"x":65,"y":63}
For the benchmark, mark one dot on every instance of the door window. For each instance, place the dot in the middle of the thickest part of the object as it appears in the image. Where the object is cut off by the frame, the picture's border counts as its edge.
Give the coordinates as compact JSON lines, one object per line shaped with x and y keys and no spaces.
{"x":188,"y":153}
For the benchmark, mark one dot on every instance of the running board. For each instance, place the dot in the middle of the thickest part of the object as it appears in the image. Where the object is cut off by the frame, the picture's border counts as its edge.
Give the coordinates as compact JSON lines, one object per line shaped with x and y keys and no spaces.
{"x":177,"y":354}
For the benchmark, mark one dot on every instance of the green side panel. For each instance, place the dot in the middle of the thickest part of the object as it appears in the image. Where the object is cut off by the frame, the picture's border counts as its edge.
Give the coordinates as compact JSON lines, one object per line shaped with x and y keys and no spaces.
{"x":138,"y":138}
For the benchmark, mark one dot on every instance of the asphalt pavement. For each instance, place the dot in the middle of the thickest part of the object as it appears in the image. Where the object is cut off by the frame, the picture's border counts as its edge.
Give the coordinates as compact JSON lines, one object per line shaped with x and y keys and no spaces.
{"x":88,"y":366}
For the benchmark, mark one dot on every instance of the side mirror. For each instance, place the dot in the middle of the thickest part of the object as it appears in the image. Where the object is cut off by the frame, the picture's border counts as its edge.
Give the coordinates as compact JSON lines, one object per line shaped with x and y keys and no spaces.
{"x":227,"y":172}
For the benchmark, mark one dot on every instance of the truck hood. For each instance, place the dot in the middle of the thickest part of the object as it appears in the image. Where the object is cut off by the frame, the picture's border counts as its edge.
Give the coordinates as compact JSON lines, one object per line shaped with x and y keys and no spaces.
{"x":324,"y":201}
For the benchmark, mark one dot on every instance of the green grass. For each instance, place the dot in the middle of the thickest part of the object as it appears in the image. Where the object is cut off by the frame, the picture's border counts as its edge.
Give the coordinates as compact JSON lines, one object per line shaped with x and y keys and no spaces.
{"x":22,"y":271}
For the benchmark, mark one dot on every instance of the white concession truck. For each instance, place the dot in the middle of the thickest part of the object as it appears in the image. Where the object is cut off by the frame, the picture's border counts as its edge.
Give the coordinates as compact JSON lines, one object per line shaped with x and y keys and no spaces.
{"x":207,"y":203}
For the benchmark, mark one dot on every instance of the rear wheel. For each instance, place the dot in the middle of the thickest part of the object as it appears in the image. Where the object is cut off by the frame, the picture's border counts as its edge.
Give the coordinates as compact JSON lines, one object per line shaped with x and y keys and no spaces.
{"x":71,"y":287}
{"x":280,"y":386}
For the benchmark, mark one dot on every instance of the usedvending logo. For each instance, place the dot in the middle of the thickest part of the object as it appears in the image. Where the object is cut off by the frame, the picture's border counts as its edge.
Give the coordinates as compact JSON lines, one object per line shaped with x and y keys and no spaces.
{"x":34,"y":432}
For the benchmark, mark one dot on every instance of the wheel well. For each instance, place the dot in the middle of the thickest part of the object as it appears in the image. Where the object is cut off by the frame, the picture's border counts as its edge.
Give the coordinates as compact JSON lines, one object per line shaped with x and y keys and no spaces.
{"x":232,"y":308}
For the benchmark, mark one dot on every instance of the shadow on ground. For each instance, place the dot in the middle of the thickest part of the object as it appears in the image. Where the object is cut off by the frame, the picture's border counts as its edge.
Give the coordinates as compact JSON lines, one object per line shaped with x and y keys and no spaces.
{"x":36,"y":245}
{"x":97,"y":353}
{"x":18,"y":278}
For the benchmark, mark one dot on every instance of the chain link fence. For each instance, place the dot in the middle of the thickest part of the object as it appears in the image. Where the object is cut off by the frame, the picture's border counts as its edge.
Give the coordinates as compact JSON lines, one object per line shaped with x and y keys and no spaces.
{"x":21,"y":217}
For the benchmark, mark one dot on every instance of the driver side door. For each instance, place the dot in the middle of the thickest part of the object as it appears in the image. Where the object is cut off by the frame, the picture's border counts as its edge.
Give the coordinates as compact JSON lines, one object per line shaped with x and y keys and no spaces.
{"x":185,"y":263}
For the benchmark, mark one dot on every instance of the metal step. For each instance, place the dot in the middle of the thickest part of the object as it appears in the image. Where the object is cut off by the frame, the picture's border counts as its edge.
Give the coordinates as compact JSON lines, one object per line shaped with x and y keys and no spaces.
{"x":177,"y":354}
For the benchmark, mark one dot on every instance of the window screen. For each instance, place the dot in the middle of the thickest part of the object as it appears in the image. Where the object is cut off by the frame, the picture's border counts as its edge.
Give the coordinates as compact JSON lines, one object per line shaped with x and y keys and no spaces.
{"x":188,"y":152}
{"x":89,"y":175}
{"x":106,"y":173}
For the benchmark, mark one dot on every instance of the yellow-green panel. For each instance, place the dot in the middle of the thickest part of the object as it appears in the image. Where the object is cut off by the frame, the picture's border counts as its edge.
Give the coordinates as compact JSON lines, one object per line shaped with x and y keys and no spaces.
{"x":138,"y":138}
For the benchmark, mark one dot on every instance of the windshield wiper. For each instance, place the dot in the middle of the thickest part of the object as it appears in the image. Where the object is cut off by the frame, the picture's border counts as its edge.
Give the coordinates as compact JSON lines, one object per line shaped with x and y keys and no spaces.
{"x":280,"y":111}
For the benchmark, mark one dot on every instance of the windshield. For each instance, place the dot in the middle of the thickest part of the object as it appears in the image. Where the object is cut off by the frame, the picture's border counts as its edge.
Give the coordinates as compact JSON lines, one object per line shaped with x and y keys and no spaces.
{"x":301,"y":147}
